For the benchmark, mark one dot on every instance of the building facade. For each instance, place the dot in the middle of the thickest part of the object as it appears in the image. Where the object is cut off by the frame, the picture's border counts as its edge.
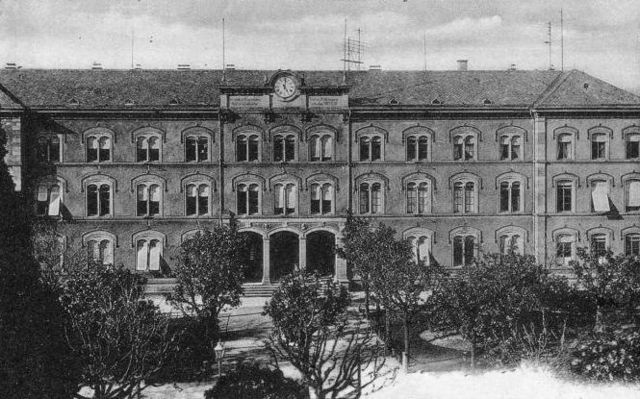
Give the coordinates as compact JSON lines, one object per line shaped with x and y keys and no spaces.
{"x":132,"y":163}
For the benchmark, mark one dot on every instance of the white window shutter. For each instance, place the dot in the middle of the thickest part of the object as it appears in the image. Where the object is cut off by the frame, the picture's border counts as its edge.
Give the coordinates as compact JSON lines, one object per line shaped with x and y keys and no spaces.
{"x":600,"y":196}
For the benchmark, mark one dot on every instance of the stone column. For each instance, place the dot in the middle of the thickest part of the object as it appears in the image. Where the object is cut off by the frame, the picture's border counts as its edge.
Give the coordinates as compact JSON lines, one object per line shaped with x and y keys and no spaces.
{"x":302,"y":253}
{"x":266,"y":261}
{"x":340,"y":274}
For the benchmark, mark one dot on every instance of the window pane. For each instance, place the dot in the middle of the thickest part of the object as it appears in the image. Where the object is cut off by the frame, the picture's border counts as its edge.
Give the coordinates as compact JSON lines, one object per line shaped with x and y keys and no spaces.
{"x":364,"y":198}
{"x":191,"y":199}
{"x":633,"y":196}
{"x":106,"y":248}
{"x":241,"y":148}
{"x":598,"y":244}
{"x":469,"y":249}
{"x":563,"y":194}
{"x":327,"y":148}
{"x":54,"y":201}
{"x":424,"y":250}
{"x":92,"y":149}
{"x":141,"y":149}
{"x":600,"y":196}
{"x":633,"y":146}
{"x":203,"y":149}
{"x":327,"y":198}
{"x":253,"y":199}
{"x":241,"y":199}
{"x":632,"y":244}
{"x":143,"y":255}
{"x":504,"y":197}
{"x":423,"y":148}
{"x":457,"y":197}
{"x":376,"y":198}
{"x":154,"y":149}
{"x":191,"y":149}
{"x":155,"y":253}
{"x":515,"y":148}
{"x":457,"y":148}
{"x":290,"y":148}
{"x":412,"y":198}
{"x":105,"y":200}
{"x":154,"y":200}
{"x":469,"y":198}
{"x":278,"y":199}
{"x":92,"y":200}
{"x":469,"y":148}
{"x":203,"y":204}
{"x":457,"y":251}
{"x":376,"y":148}
{"x":143,"y":197}
{"x":54,"y":149}
{"x":278,"y":143}
{"x":93,"y":251}
{"x":105,"y":149}
{"x":411,"y":148}
{"x":504,"y":147}
{"x":424,"y":199}
{"x":314,"y":148}
{"x":515,"y":197}
{"x":364,"y":148}
{"x":315,"y":198}
{"x":291,"y":198}
{"x":42,"y":199}
{"x":253,"y":148}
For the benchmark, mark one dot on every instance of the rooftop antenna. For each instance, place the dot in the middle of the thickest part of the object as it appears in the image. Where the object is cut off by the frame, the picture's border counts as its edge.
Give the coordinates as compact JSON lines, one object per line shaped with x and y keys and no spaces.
{"x":561,"y":41}
{"x":132,"y":42}
{"x":424,"y":49}
{"x":548,"y":42}
{"x":353,"y":49}
{"x":224,"y":65}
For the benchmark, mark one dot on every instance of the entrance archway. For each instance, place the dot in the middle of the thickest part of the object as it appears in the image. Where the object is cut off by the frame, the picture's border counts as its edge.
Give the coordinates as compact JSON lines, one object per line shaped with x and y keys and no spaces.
{"x":283,"y":253}
{"x":253,"y":257}
{"x":321,"y":254}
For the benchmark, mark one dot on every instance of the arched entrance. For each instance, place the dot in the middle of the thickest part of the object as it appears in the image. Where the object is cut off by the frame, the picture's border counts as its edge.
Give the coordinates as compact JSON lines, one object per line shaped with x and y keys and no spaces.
{"x":253,"y":257}
{"x":321,"y":254}
{"x":283,"y":253}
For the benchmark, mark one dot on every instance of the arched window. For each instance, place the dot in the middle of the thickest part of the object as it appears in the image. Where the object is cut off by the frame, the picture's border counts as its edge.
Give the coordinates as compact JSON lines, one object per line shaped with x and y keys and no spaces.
{"x":284,"y":148}
{"x":599,"y":244}
{"x":149,"y":254}
{"x":48,"y":148}
{"x":48,"y":199}
{"x":464,"y":250}
{"x":148,"y":148}
{"x":321,"y":198}
{"x":565,"y":146}
{"x":196,"y":148}
{"x":285,"y":201}
{"x":248,"y":199}
{"x":465,"y":197}
{"x":599,"y":144}
{"x":633,"y":146}
{"x":371,"y":200}
{"x":417,"y":148}
{"x":511,"y":243}
{"x":510,"y":196}
{"x":464,"y":147}
{"x":510,"y":147}
{"x":98,"y":148}
{"x":197,"y":199}
{"x":99,"y":199}
{"x":421,"y":245}
{"x":371,"y":148}
{"x":418,"y":197}
{"x":321,"y":148}
{"x":100,"y":251}
{"x":247,"y":148}
{"x":149,"y":196}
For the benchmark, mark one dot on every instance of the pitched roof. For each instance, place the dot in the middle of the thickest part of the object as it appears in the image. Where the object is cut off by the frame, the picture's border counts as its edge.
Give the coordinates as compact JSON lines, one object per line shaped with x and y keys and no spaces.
{"x":104,"y":89}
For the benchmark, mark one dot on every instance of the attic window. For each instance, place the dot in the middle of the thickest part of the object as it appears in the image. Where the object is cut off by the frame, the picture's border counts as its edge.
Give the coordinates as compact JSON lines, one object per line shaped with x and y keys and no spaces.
{"x":393,"y":101}
{"x":436,"y":102}
{"x":129,"y":102}
{"x":586,"y":86}
{"x":174,"y":101}
{"x":73,"y":102}
{"x":486,"y":101}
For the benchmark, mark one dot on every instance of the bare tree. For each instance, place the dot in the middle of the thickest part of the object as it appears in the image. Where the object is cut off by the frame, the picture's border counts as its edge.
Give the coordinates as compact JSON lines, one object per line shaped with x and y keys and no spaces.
{"x":337,"y":357}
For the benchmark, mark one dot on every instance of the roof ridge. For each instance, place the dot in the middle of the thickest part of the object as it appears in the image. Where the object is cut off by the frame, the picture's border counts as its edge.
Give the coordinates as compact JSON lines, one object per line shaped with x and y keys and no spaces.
{"x":553,"y":87}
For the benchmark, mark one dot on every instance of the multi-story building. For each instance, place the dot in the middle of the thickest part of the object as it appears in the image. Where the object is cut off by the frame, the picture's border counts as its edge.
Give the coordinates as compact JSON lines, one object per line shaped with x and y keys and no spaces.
{"x":456,"y":161}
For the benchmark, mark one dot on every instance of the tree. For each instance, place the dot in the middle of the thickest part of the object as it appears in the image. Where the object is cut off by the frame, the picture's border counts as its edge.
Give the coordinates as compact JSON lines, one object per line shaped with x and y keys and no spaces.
{"x":209,"y":275}
{"x":609,"y":280}
{"x":34,"y":359}
{"x":401,"y":281}
{"x":357,"y":244}
{"x":252,"y":381}
{"x":490,"y":299}
{"x":312,"y":331}
{"x":120,"y":339}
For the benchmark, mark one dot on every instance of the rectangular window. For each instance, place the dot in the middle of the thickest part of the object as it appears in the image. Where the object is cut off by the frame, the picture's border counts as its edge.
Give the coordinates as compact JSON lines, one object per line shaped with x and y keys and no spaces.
{"x":203,"y":149}
{"x":563,"y":197}
{"x":632,"y":244}
{"x":92,"y":149}
{"x":411,"y":148}
{"x":376,"y":149}
{"x":457,"y":251}
{"x":143,"y":255}
{"x":457,"y":198}
{"x":598,"y":149}
{"x":315,"y":198}
{"x":105,"y":200}
{"x":241,"y":149}
{"x":242,"y":201}
{"x":92,"y":200}
{"x":423,"y":148}
{"x":253,"y":201}
{"x":469,"y":249}
{"x":633,"y":196}
{"x":154,"y":200}
{"x":515,"y":197}
{"x":203,"y":200}
{"x":364,"y":198}
{"x":563,"y":150}
{"x":599,"y":244}
{"x":469,"y":198}
{"x":633,"y":147}
{"x":54,"y":201}
{"x":504,"y":197}
{"x":253,"y":149}
{"x":563,"y":250}
{"x":191,"y":149}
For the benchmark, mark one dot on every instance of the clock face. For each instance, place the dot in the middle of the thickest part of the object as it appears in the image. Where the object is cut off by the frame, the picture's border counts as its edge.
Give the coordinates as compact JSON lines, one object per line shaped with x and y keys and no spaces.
{"x":285,"y":87}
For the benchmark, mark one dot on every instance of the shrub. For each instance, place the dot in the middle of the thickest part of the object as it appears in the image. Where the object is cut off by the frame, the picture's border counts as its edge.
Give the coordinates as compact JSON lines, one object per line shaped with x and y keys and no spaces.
{"x":609,"y":355}
{"x":251,"y":381}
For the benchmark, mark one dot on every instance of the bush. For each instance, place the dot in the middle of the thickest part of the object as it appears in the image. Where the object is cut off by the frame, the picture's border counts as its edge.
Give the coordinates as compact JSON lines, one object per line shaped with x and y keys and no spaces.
{"x":251,"y":381}
{"x":609,"y":355}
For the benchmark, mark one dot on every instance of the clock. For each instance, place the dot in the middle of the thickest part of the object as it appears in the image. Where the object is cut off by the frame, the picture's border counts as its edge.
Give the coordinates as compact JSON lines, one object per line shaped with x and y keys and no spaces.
{"x":285,"y":87}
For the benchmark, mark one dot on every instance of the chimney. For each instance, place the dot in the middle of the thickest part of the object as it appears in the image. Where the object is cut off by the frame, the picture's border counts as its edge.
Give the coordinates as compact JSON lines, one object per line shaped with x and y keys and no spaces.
{"x":231,"y":67}
{"x":11,"y":65}
{"x":96,"y":66}
{"x":463,"y":65}
{"x":512,"y":67}
{"x":375,"y":67}
{"x":184,"y":67}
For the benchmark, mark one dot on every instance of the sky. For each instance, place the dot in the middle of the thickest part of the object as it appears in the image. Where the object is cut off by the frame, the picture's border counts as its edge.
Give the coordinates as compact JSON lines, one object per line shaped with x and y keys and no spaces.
{"x":600,"y":37}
